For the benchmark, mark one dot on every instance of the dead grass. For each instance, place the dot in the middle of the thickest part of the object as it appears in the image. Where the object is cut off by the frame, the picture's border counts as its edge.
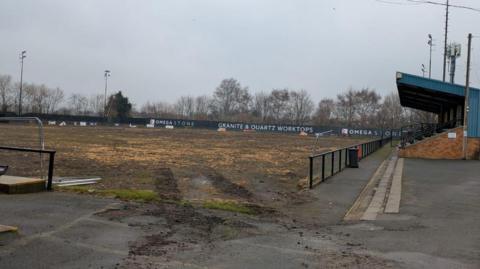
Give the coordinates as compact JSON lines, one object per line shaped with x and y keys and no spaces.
{"x":268,"y":165}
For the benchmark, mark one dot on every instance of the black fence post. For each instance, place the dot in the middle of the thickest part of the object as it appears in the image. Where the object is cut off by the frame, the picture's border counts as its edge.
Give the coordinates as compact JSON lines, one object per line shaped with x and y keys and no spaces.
{"x":323,"y":167}
{"x":310,"y":180}
{"x":51,"y":161}
{"x":41,"y":151}
{"x":346,"y":157}
{"x":366,"y":149}
{"x":340,"y":160}
{"x":333,"y":163}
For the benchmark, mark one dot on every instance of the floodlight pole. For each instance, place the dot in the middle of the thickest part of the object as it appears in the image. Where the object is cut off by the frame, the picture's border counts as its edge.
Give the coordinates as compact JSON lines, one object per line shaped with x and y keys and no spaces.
{"x":107,"y":74}
{"x":430,"y":42}
{"x":446,"y":40}
{"x":447,"y":13}
{"x":22,"y":56}
{"x":466,"y":108}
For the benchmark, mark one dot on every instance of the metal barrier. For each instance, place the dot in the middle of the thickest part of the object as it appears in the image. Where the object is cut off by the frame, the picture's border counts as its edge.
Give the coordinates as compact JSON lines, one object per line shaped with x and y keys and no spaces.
{"x":419,"y":131}
{"x":41,"y":135}
{"x":51,"y":160}
{"x":327,"y":164}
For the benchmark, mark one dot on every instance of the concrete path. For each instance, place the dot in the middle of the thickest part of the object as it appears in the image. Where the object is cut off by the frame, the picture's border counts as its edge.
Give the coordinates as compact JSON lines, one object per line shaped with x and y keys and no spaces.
{"x":335,"y":196}
{"x":439,"y":221}
{"x":393,"y":203}
{"x":380,"y":194}
{"x":59,"y":230}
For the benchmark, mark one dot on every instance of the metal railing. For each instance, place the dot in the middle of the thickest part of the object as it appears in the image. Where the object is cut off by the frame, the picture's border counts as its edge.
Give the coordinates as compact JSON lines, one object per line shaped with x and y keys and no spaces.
{"x":41,"y":135}
{"x":51,"y":160}
{"x":326,"y":164}
{"x":419,"y":131}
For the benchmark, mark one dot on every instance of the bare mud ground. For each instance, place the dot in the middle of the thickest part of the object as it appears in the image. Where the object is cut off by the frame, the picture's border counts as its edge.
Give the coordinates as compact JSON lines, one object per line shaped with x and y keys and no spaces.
{"x":187,"y":168}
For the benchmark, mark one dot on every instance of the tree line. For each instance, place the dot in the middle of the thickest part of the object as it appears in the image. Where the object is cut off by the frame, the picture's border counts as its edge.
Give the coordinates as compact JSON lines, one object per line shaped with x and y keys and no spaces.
{"x":230,"y":101}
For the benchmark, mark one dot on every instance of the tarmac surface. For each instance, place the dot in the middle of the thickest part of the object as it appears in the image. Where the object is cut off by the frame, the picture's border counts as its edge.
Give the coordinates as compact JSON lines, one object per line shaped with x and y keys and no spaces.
{"x":59,"y":230}
{"x":439,"y":221}
{"x":438,"y":227}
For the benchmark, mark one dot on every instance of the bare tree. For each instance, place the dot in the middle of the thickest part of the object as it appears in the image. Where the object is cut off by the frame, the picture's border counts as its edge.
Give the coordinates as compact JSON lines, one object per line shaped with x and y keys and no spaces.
{"x":391,"y":114}
{"x":202,"y":104}
{"x":6,"y":93}
{"x":53,"y":99}
{"x":230,"y":98}
{"x":279,"y":104}
{"x":345,"y":109}
{"x":96,"y":104}
{"x":261,"y":106}
{"x":78,"y":104}
{"x":159,"y":109}
{"x":419,"y":116}
{"x":324,"y":113}
{"x":185,"y":106}
{"x":301,"y":106}
{"x":367,"y":105}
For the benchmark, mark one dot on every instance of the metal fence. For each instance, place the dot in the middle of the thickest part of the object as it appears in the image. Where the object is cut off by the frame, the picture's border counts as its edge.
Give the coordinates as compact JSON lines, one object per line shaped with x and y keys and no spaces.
{"x":419,"y":131}
{"x":327,"y":164}
{"x":23,"y":138}
{"x":51,"y":160}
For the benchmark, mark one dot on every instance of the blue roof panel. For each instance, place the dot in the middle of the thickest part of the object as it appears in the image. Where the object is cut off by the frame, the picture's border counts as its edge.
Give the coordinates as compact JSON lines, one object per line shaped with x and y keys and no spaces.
{"x":431,"y":84}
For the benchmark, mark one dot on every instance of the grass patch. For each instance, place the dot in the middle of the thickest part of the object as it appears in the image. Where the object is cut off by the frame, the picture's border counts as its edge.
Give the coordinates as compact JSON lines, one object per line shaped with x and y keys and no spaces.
{"x":124,"y":194}
{"x":229,"y":206}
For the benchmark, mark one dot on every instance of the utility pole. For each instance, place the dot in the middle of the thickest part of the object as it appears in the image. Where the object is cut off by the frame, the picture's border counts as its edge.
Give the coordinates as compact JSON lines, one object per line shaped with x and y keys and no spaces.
{"x":107,"y":74}
{"x":430,"y":43}
{"x":447,"y":14}
{"x":423,"y":70}
{"x":446,"y":40}
{"x":467,"y":93}
{"x":22,"y":56}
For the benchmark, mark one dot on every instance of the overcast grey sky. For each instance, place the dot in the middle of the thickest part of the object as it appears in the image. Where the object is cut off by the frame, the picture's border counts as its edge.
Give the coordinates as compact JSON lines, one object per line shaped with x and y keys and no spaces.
{"x":159,"y":50}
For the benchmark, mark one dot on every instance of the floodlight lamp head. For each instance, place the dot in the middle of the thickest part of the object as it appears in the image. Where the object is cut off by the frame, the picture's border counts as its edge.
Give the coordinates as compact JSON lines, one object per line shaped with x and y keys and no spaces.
{"x":458,"y":50}
{"x":454,"y":50}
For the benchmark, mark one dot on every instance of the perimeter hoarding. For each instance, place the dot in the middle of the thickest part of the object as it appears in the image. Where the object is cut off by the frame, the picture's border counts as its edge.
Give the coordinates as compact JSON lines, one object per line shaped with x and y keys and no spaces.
{"x":228,"y":125}
{"x":279,"y":128}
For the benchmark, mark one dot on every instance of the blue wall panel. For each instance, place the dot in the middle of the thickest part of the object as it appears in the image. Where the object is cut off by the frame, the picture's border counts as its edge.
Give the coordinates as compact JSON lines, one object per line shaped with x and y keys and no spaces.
{"x":474,"y":113}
